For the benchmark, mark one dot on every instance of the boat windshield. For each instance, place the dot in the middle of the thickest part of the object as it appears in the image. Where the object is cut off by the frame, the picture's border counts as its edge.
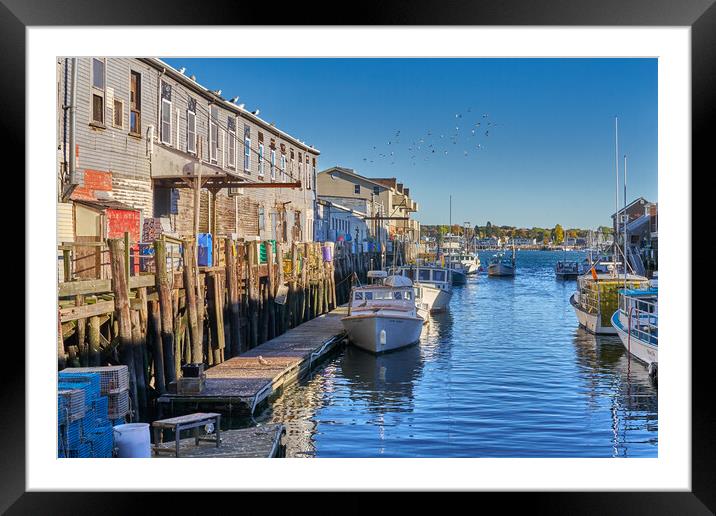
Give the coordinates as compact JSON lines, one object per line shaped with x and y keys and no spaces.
{"x":382,"y":295}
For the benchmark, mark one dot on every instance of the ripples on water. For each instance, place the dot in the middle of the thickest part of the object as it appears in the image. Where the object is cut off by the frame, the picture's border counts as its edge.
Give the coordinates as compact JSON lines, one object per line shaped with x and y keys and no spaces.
{"x":506,"y":372}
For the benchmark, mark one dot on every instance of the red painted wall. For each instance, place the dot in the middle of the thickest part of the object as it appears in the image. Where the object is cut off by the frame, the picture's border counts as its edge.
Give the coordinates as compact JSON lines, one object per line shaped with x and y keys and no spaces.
{"x":119,"y":221}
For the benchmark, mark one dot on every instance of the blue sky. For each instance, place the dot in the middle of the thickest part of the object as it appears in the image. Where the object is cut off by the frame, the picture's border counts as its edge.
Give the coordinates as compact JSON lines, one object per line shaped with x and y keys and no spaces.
{"x":548,"y":156}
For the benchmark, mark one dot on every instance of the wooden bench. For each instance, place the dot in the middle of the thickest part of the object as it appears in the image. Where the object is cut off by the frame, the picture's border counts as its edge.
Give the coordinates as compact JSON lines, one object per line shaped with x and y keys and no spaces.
{"x":190,"y":421}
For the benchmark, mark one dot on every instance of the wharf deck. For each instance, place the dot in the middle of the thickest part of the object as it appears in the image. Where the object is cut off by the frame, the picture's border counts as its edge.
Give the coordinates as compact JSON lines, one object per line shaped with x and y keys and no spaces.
{"x":246,"y":381}
{"x":256,"y":442}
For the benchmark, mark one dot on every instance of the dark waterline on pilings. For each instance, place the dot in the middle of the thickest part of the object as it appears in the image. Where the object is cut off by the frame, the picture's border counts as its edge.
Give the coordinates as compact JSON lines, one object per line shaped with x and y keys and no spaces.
{"x":505,"y":373}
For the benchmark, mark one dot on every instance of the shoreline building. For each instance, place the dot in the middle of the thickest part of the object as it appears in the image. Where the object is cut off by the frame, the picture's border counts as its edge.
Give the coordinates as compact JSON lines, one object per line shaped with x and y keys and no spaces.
{"x":386,"y":202}
{"x":140,"y":145}
{"x":642,"y":228}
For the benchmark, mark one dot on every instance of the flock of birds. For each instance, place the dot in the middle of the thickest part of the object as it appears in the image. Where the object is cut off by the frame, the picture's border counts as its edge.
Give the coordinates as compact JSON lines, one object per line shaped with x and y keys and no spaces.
{"x":466,"y":139}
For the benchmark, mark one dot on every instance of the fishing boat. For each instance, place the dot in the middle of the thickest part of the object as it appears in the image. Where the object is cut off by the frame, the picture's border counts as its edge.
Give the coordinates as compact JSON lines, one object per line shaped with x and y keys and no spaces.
{"x":433,"y":285}
{"x":382,"y":317}
{"x":596,"y":298}
{"x":567,"y":269}
{"x":501,"y":265}
{"x":636,"y":321}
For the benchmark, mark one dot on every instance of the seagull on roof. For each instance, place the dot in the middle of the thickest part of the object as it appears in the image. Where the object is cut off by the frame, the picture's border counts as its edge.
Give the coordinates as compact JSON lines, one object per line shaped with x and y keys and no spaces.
{"x":233,"y":100}
{"x":182,"y":70}
{"x":255,"y":112}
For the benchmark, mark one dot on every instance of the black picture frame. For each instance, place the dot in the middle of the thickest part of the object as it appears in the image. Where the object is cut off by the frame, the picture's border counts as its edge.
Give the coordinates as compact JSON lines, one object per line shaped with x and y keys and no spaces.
{"x":700,"y":15}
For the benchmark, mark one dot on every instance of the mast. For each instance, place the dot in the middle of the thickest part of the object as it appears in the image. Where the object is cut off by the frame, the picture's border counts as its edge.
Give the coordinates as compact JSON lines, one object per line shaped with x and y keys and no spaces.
{"x":625,"y":221}
{"x":616,"y":190}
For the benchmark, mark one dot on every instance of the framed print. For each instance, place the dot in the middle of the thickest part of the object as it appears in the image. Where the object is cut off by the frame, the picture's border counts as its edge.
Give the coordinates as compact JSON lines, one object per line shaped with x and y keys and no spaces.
{"x":414,"y":253}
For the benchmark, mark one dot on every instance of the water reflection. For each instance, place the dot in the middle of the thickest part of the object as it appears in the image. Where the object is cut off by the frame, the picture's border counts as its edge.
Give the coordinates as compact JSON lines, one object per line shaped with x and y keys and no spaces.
{"x":506,"y":372}
{"x":385,"y":382}
{"x":614,"y":379}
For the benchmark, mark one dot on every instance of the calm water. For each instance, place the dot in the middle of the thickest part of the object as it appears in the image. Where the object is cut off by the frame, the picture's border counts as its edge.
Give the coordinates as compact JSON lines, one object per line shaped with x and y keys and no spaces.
{"x":506,"y":372}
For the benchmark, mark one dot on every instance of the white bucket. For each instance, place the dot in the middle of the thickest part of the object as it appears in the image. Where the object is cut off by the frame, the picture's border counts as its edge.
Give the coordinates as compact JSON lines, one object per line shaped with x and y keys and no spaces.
{"x":132,"y":440}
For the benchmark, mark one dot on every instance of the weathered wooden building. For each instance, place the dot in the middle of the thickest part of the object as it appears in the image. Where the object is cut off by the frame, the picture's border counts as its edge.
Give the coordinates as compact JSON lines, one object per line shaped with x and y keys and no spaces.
{"x":139,"y":136}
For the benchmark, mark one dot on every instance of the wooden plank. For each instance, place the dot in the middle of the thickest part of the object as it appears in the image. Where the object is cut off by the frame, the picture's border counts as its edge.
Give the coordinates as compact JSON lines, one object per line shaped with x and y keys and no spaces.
{"x":74,"y":313}
{"x":96,"y":286}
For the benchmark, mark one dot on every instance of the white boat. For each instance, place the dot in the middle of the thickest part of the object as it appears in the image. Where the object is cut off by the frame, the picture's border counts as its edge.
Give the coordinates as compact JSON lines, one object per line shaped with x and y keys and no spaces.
{"x":501,"y":265}
{"x":421,"y":303}
{"x":596,"y":299}
{"x":636,"y":321}
{"x":381,"y":317}
{"x":433,"y":285}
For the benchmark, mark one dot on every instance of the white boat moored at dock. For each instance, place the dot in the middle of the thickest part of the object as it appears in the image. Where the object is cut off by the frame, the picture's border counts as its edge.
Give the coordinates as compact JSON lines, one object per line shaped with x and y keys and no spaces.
{"x":433,"y":285}
{"x":382,"y":318}
{"x":637,"y":324}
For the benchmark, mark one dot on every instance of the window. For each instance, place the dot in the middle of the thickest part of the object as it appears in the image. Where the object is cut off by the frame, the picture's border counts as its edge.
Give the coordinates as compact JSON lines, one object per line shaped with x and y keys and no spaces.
{"x":118,"y":114}
{"x":376,"y":190}
{"x":213,"y":134}
{"x":423,"y":274}
{"x":191,"y":126}
{"x":98,"y":90}
{"x":162,"y":201}
{"x":283,"y":166}
{"x":166,"y":116}
{"x":231,"y":147}
{"x":262,"y":222}
{"x":247,"y":149}
{"x":135,"y":103}
{"x":356,"y":189}
{"x":273,"y":163}
{"x":300,"y":169}
{"x":261,"y":159}
{"x":308,"y":174}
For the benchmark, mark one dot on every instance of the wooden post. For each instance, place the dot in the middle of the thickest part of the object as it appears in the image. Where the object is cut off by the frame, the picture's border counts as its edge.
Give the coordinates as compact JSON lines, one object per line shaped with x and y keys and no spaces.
{"x":216,"y":316}
{"x":232,"y":284}
{"x":138,"y":345}
{"x":81,"y":332}
{"x":293,"y":305}
{"x":252,"y":283}
{"x":271,"y":288}
{"x":61,"y":356}
{"x":121,"y":309}
{"x":67,"y":263}
{"x":157,"y":346}
{"x":127,"y":268}
{"x":191,"y":303}
{"x":166,"y":309}
{"x":94,"y":341}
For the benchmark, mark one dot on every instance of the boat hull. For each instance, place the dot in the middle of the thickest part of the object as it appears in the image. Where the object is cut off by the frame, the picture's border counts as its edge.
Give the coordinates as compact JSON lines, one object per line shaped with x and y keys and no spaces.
{"x":647,"y":353}
{"x":380,"y":333}
{"x":500,"y":269}
{"x":589,"y":321}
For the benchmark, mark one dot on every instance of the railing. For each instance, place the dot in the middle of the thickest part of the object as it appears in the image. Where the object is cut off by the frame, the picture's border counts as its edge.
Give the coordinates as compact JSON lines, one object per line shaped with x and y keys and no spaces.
{"x":641,"y":318}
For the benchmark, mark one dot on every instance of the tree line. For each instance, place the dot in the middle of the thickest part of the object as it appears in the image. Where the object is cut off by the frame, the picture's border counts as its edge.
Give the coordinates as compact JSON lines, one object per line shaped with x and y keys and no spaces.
{"x":556,"y":235}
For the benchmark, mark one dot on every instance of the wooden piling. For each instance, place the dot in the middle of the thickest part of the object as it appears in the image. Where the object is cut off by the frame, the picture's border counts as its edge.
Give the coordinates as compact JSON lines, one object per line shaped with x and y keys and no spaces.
{"x":157,"y":345}
{"x":122,"y":316}
{"x":93,"y":337}
{"x":232,"y":283}
{"x":191,"y":301}
{"x":166,"y":309}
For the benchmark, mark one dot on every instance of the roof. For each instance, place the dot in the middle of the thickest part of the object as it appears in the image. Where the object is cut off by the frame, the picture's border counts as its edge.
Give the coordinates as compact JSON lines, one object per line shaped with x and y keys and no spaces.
{"x":638,"y":200}
{"x":351,"y":172}
{"x":190,"y":83}
{"x":644,"y":292}
{"x":105,"y":204}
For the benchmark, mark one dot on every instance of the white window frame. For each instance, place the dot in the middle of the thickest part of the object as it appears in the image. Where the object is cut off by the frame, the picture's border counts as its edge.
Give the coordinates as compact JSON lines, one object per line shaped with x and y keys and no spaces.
{"x":231,"y":146}
{"x":213,"y":145}
{"x":247,"y":154}
{"x":114,"y":113}
{"x":166,"y":105}
{"x":190,"y":132}
{"x":283,"y":167}
{"x":100,"y":92}
{"x":261,"y":159}
{"x":273,"y":164}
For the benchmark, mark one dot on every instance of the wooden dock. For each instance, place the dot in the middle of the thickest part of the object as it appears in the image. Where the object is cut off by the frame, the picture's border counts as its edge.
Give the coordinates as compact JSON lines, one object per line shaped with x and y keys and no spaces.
{"x":245,"y":381}
{"x":256,"y":442}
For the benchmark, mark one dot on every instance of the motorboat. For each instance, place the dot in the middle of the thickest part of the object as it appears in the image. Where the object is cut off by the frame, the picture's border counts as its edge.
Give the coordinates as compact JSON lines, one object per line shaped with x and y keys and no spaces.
{"x":567,"y":269}
{"x":636,"y":321}
{"x":433,"y":285}
{"x":382,"y":317}
{"x":501,"y":265}
{"x":596,"y":298}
